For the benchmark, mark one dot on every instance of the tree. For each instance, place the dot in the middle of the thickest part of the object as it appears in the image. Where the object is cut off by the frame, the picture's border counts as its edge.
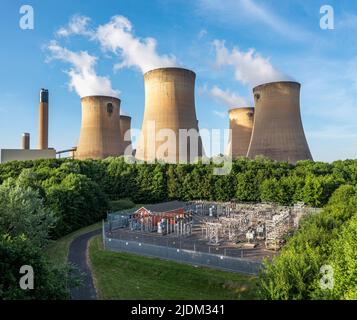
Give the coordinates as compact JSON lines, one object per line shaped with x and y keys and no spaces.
{"x":22,"y":212}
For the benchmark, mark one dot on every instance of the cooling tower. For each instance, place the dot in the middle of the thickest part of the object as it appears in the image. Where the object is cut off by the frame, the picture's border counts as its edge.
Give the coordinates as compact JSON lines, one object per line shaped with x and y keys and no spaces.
{"x":25,"y":141}
{"x":125,"y":124}
{"x":43,"y":120}
{"x":100,"y":128}
{"x":169,"y":108}
{"x":278,"y":131}
{"x":241,"y":126}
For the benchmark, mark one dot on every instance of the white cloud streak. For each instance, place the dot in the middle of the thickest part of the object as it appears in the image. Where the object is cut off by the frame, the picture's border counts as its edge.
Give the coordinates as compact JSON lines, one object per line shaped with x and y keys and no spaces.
{"x":83,"y":78}
{"x":78,"y":25}
{"x":237,"y":12}
{"x":250,"y":67}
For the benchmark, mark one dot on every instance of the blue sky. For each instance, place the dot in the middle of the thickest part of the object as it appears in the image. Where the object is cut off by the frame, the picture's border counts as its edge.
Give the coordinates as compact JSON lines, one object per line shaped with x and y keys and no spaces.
{"x":216,"y":39}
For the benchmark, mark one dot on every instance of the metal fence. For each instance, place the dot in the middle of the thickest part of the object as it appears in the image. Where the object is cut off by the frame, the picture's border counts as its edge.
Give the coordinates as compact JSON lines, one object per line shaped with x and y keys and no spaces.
{"x":198,"y":258}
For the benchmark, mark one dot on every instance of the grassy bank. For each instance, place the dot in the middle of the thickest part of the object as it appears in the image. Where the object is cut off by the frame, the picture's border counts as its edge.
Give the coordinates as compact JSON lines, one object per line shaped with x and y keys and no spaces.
{"x":58,"y":250}
{"x":128,"y":276}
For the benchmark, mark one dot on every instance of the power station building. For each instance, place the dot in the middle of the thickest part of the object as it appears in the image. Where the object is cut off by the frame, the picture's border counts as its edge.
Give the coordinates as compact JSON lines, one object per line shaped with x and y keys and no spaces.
{"x":100,"y":135}
{"x":278,"y":131}
{"x":241,"y":125}
{"x":170,"y":128}
{"x":125,"y":135}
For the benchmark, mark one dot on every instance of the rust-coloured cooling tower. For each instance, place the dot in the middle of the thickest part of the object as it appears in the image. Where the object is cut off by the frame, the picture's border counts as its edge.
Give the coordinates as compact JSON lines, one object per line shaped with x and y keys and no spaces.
{"x":25,"y":141}
{"x":43,"y":120}
{"x":100,"y":131}
{"x":125,"y":124}
{"x":169,"y":104}
{"x":241,"y":126}
{"x":278,"y":131}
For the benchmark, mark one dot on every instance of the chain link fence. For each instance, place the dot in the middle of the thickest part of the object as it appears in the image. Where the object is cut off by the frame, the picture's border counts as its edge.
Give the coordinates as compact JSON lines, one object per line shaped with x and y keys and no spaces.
{"x":178,"y":251}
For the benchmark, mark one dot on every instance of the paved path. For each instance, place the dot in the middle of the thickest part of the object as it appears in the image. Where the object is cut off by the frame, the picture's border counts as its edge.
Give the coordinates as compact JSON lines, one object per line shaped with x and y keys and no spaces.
{"x":77,"y":256}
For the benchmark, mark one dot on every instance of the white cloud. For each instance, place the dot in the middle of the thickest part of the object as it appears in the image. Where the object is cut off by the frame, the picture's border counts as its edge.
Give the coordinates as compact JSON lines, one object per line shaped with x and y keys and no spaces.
{"x":226,"y":97}
{"x":77,"y":25}
{"x":220,"y":113}
{"x":83,"y":78}
{"x":250,"y":67}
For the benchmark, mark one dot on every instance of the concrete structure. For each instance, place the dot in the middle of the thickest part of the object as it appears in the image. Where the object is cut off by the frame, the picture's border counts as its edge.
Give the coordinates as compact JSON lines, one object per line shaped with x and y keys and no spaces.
{"x":278,"y":131}
{"x":125,"y":136}
{"x":43,"y":120}
{"x":100,"y":131}
{"x":241,"y":125}
{"x":25,"y":142}
{"x":169,"y":107}
{"x":7,"y":155}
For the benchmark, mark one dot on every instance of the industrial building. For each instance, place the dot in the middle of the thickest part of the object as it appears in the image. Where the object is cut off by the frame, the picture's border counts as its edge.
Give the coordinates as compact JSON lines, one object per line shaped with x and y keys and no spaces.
{"x":241,"y":125}
{"x":100,"y":135}
{"x":278,"y":131}
{"x":125,"y":135}
{"x":43,"y":151}
{"x":169,"y":111}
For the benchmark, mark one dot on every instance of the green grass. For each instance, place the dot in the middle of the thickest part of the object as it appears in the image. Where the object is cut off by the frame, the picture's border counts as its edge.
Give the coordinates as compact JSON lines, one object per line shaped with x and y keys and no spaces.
{"x":57,"y":251}
{"x":128,"y":276}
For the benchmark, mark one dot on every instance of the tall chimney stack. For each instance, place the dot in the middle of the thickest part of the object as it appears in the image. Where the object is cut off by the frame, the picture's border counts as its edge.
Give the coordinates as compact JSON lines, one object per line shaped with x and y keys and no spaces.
{"x":43,"y":120}
{"x":25,"y":141}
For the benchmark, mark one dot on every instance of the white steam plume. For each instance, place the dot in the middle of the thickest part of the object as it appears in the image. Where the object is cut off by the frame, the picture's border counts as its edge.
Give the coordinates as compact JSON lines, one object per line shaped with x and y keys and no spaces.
{"x":250,"y":67}
{"x":117,"y":36}
{"x":83,"y":78}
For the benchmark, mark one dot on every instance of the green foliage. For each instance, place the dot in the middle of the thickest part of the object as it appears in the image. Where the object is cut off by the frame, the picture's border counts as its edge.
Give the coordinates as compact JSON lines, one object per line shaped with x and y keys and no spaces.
{"x":119,"y":205}
{"x":49,"y":282}
{"x":327,"y":238}
{"x":77,"y":202}
{"x":22,"y":211}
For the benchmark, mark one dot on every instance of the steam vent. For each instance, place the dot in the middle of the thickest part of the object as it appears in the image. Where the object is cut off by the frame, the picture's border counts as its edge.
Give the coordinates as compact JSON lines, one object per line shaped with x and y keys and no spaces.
{"x":125,"y":136}
{"x":278,"y":132}
{"x":169,"y":104}
{"x":241,"y":125}
{"x":100,"y":131}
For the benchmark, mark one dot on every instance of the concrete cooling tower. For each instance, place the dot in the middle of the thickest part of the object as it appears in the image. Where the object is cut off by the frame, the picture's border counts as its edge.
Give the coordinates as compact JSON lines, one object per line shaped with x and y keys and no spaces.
{"x":43,"y":120}
{"x":125,"y":136}
{"x":169,"y":107}
{"x":241,"y":126}
{"x":278,"y":131}
{"x":100,"y":131}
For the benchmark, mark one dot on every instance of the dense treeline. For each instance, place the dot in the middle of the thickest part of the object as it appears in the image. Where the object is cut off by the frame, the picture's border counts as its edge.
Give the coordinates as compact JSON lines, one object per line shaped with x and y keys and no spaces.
{"x":65,"y":195}
{"x":320,"y":260}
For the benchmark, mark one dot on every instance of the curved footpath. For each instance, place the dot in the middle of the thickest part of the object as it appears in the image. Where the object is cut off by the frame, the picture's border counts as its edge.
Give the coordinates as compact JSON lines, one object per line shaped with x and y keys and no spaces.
{"x":78,"y":256}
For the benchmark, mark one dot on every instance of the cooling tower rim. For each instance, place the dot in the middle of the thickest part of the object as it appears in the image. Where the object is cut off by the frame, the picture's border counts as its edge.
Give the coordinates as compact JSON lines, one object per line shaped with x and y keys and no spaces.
{"x":276,"y":82}
{"x":100,"y":97}
{"x":240,"y":109}
{"x":168,"y":69}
